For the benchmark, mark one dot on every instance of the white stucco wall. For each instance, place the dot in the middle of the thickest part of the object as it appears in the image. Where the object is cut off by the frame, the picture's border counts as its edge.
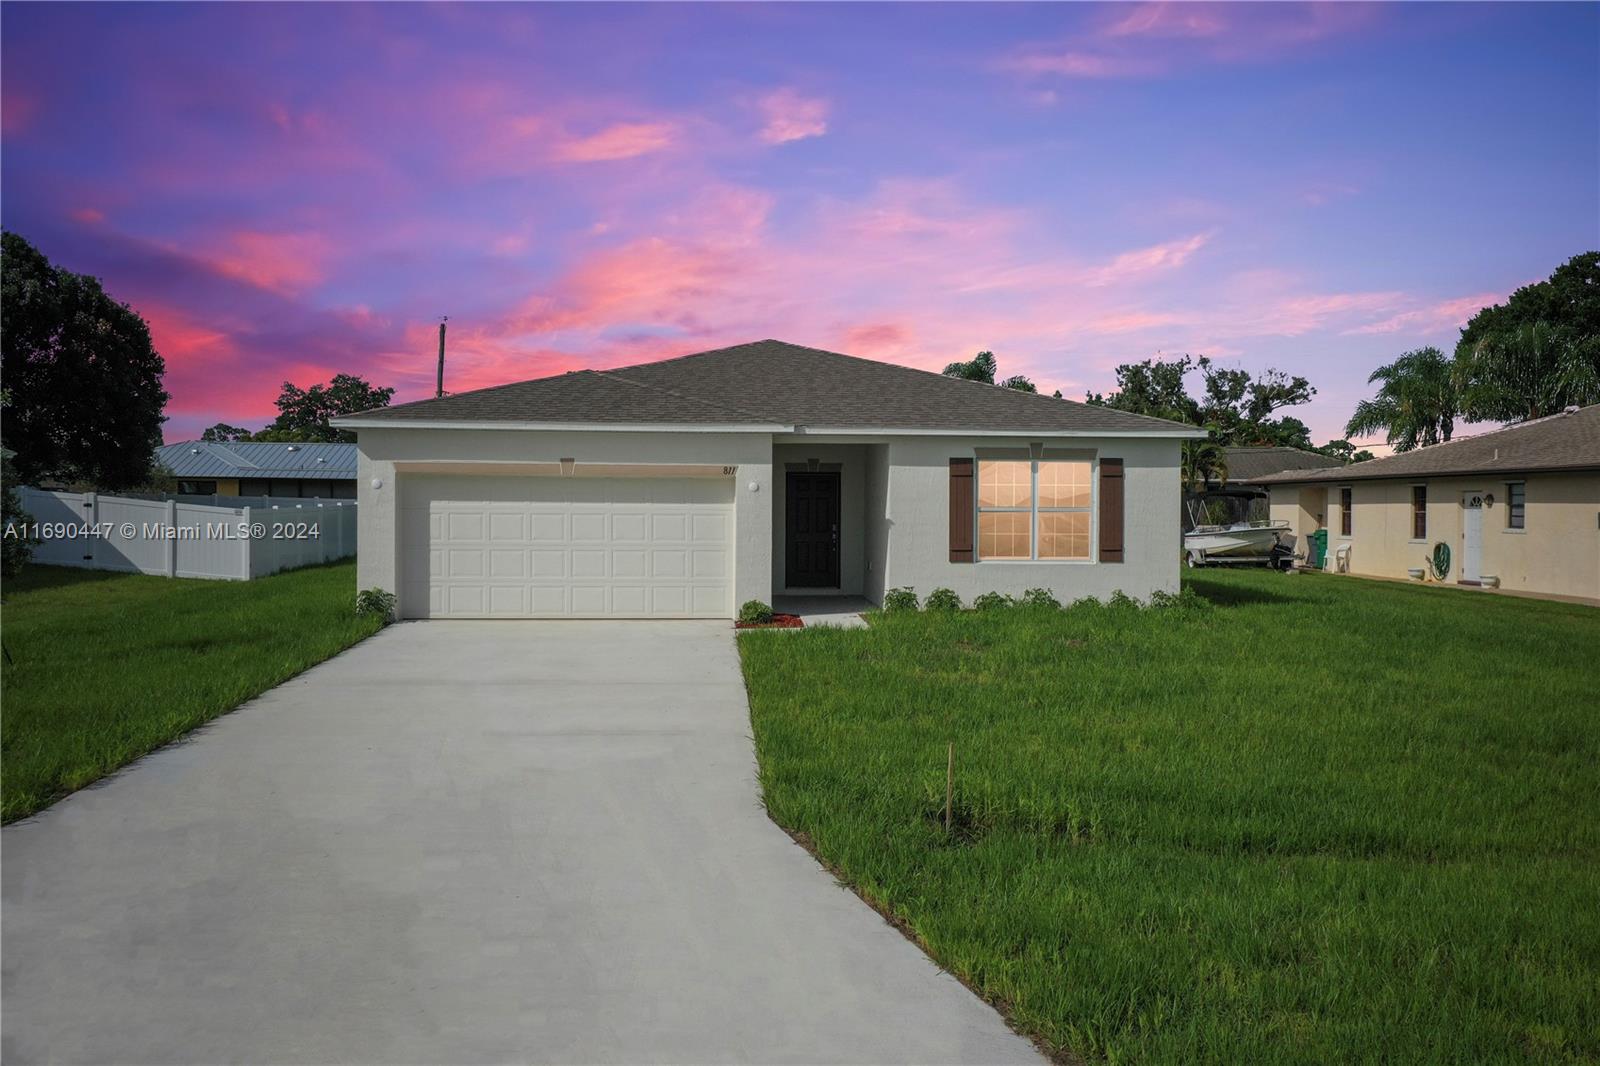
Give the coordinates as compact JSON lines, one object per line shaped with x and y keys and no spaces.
{"x":875,"y":519}
{"x":918,"y":523}
{"x":379,"y":450}
{"x":895,"y":504}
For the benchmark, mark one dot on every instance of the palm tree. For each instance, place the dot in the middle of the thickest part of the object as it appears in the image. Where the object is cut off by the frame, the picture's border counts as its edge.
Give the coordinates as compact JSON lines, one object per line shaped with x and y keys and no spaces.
{"x":1416,"y":403}
{"x":1203,"y":461}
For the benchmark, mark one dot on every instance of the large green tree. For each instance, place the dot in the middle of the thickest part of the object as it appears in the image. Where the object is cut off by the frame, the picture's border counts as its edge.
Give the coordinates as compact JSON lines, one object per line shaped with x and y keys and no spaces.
{"x":1536,"y":353}
{"x":1416,"y":403}
{"x":222,"y":433}
{"x":83,"y":397}
{"x":305,"y":414}
{"x":1235,"y":408}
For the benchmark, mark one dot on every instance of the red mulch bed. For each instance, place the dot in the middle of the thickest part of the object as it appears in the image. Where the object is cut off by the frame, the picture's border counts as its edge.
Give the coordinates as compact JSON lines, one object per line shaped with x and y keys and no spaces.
{"x":779,"y":621}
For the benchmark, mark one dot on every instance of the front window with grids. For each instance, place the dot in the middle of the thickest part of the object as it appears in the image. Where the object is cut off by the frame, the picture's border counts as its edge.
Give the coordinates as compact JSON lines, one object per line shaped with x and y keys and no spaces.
{"x":1033,"y":509}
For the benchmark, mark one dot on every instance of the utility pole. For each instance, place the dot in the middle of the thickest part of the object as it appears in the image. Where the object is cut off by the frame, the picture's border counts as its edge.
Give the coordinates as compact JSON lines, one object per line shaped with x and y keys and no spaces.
{"x":439,"y":388}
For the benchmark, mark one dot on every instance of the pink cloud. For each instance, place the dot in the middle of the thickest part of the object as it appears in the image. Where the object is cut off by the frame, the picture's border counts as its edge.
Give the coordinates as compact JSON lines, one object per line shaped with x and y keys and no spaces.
{"x":1433,"y":318}
{"x":877,"y":339}
{"x":1322,"y":193}
{"x":1154,"y":39}
{"x":792,"y":117}
{"x":1075,"y":63}
{"x":279,"y":262}
{"x":1167,"y":20}
{"x":89,"y":216}
{"x":1143,"y":261}
{"x":624,"y":140}
{"x":17,"y":110}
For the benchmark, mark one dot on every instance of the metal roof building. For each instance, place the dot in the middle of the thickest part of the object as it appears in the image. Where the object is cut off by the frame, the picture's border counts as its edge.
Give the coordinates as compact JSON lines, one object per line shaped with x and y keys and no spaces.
{"x":208,"y":468}
{"x":208,"y":459}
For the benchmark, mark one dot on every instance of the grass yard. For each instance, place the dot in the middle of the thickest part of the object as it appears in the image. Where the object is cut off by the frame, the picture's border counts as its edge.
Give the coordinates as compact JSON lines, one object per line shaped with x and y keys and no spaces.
{"x":1320,"y":820}
{"x":106,"y":667}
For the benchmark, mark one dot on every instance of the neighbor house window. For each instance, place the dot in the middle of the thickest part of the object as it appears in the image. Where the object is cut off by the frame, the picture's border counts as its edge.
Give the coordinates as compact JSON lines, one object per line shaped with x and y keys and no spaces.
{"x":1345,"y":523}
{"x":197,"y":488}
{"x":1033,"y":509}
{"x":1516,"y":505}
{"x":1419,"y":512}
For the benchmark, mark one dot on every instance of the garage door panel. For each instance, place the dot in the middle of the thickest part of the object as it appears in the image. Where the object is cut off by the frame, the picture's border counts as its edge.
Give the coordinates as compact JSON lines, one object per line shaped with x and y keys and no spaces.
{"x":504,"y":563}
{"x":461,"y":563}
{"x":547,"y":526}
{"x":709,"y":599}
{"x":627,"y":563}
{"x":709,"y":528}
{"x":549,"y":562}
{"x":629,"y":526}
{"x":464,"y":600}
{"x":464,"y":526}
{"x":669,"y":600}
{"x":708,"y":565}
{"x":669,"y":563}
{"x":588,"y":562}
{"x":508,"y":527}
{"x":566,"y":547}
{"x":508,"y":601}
{"x":669,"y":526}
{"x":588,"y":525}
{"x":589,"y":599}
{"x":548,"y":600}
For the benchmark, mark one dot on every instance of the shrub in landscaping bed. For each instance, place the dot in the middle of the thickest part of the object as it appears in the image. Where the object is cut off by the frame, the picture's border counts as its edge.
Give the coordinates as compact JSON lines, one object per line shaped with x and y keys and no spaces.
{"x":992,"y":601}
{"x":1040,"y":598}
{"x":901,"y":599}
{"x":754,"y":612}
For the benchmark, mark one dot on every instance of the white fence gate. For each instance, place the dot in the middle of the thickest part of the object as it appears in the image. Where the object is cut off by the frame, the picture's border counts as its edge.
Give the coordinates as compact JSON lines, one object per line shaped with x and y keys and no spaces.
{"x":177,"y":539}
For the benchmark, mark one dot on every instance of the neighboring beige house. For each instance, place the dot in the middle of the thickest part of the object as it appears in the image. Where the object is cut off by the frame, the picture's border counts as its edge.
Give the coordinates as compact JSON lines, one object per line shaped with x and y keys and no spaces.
{"x":1518,"y":507}
{"x":686,"y":487}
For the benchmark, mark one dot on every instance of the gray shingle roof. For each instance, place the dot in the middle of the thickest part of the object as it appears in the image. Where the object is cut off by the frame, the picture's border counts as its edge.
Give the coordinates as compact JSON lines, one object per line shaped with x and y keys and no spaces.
{"x":208,"y":459}
{"x":1560,"y":442}
{"x":1246,"y":463}
{"x":771,"y":383}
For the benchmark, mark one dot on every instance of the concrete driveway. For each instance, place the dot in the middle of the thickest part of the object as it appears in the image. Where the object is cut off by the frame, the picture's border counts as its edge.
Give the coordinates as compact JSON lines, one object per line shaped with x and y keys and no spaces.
{"x":462,"y":842}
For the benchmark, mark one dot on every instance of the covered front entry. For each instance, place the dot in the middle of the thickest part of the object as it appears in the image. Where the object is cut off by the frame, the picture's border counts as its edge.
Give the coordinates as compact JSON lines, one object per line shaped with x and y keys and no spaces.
{"x":811,"y":535}
{"x":566,"y":547}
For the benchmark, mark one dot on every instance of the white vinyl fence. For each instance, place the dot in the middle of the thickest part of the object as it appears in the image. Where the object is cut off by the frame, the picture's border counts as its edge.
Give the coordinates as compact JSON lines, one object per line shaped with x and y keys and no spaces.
{"x":179,"y":539}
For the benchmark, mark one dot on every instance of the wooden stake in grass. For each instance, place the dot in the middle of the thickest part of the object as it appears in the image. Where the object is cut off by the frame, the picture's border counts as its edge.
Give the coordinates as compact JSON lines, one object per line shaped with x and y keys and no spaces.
{"x":949,"y":786}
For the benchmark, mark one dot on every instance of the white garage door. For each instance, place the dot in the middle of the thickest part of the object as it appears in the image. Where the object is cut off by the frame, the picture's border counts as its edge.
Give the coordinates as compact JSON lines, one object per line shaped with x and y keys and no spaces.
{"x":566,"y":547}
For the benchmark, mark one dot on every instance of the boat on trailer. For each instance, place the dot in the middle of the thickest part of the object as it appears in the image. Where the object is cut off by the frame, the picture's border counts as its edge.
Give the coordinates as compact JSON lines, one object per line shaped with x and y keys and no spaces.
{"x":1221,"y":531}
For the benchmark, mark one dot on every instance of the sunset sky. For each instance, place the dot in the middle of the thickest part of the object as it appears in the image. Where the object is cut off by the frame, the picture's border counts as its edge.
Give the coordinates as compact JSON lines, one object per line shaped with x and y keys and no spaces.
{"x":291,"y":191}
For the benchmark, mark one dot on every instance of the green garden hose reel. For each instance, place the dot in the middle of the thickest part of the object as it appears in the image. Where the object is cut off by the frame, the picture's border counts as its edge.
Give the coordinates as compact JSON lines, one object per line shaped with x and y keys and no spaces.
{"x":1439,"y":562}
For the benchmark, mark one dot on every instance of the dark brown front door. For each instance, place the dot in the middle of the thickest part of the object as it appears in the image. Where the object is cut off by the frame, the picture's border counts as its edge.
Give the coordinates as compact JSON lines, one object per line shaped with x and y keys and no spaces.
{"x":812,"y":531}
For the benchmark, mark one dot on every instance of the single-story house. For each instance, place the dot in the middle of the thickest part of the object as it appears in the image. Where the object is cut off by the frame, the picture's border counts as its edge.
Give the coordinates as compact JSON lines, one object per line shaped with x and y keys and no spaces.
{"x":210,"y":468}
{"x":1519,"y":508}
{"x":686,"y":487}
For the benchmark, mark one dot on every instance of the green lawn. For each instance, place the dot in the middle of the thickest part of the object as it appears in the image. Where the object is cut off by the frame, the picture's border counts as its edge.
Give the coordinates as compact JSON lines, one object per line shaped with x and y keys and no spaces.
{"x":1321,"y":820}
{"x":105,"y":667}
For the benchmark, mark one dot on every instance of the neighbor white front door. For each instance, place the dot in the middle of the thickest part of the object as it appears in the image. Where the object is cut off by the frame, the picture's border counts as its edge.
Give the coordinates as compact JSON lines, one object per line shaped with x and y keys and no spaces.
{"x":1471,"y":536}
{"x":566,"y":547}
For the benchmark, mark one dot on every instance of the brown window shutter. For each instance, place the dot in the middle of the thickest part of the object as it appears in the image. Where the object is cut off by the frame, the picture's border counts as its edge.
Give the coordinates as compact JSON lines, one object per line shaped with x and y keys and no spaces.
{"x":1111,"y":510}
{"x":961,"y":510}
